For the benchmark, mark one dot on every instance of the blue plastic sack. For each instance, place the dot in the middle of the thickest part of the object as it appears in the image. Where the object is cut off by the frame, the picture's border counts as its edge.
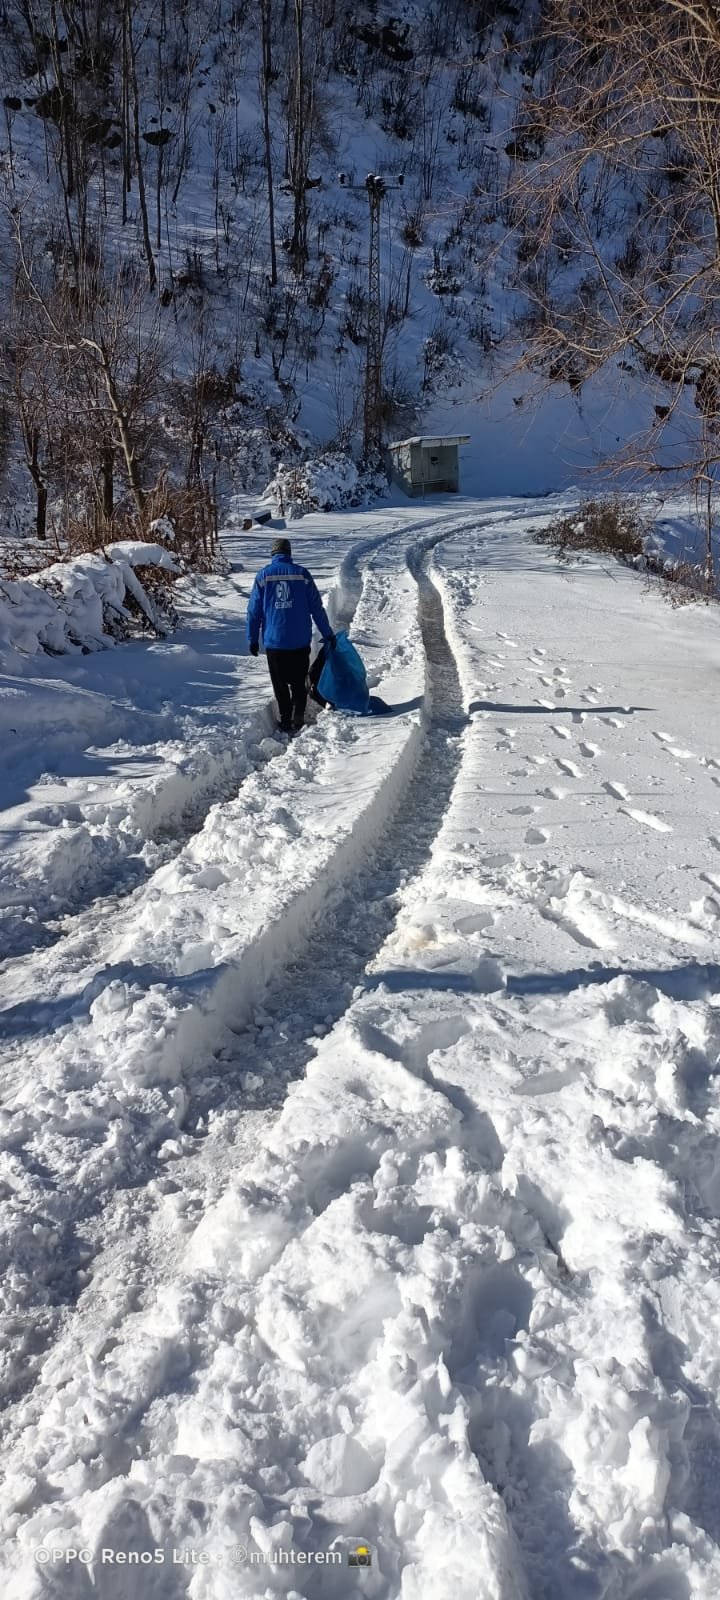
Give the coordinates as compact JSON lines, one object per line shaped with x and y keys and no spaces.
{"x":343,"y":681}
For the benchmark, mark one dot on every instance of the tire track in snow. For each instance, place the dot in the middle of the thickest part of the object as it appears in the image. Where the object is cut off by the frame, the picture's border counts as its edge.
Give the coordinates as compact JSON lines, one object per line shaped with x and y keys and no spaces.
{"x":400,"y":856}
{"x":167,"y":816}
{"x":409,"y":827}
{"x":117,"y":882}
{"x":86,"y":940}
{"x":340,"y":948}
{"x":343,"y":946}
{"x":161,"y":820}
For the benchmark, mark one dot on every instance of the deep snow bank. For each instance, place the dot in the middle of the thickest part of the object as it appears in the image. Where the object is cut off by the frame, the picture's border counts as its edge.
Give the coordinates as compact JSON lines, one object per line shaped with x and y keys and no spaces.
{"x":70,"y":606}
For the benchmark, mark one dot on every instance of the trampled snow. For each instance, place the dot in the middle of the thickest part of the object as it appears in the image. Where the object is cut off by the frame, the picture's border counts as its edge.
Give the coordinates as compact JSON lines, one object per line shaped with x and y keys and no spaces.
{"x":359,"y":1133}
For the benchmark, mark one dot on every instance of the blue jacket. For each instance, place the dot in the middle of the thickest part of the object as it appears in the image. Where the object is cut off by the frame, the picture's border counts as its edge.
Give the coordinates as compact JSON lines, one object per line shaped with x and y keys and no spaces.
{"x":284,"y":603}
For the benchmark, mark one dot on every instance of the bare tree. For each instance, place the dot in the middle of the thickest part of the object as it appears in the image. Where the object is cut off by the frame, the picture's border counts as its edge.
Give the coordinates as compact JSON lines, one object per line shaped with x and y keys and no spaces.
{"x":303,"y":116}
{"x":132,"y":48}
{"x":110,"y":345}
{"x":616,"y":188}
{"x":266,"y":79}
{"x":26,"y":367}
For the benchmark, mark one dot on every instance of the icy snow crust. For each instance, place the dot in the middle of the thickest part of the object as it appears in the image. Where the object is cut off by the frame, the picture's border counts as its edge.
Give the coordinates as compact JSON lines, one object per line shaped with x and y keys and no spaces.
{"x":360,"y":1173}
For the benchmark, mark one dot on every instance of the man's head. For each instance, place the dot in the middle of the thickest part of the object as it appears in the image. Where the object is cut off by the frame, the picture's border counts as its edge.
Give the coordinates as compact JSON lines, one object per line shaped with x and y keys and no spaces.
{"x":281,"y":547}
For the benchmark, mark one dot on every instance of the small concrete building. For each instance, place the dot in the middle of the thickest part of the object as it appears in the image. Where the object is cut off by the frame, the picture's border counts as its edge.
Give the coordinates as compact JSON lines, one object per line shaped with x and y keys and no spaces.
{"x":426,"y":465}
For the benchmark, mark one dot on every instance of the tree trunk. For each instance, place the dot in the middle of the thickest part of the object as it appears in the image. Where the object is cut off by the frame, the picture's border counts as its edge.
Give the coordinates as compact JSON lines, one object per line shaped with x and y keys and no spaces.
{"x":123,"y":432}
{"x":709,"y":530}
{"x":298,"y":246}
{"x":65,"y":128}
{"x":41,"y":514}
{"x":139,"y":161}
{"x":32,"y":441}
{"x":125,"y":111}
{"x":265,"y":82}
{"x":106,"y":468}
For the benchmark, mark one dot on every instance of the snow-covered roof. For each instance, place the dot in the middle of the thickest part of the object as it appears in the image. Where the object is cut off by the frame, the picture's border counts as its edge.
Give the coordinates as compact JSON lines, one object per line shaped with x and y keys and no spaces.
{"x":431,"y":440}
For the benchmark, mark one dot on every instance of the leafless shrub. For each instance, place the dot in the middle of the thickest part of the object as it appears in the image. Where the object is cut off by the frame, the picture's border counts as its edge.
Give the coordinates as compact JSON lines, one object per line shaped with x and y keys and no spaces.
{"x":158,"y":583}
{"x":412,"y":231}
{"x":192,"y":510}
{"x":354,"y":322}
{"x":467,"y":99}
{"x":399,"y":110}
{"x":627,"y":121}
{"x":19,"y":558}
{"x":610,"y":527}
{"x":443,"y":278}
{"x":681,"y":584}
{"x":85,"y":535}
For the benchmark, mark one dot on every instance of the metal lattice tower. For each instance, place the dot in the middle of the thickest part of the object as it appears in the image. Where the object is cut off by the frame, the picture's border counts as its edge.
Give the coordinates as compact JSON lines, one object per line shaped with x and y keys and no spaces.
{"x":376,"y":189}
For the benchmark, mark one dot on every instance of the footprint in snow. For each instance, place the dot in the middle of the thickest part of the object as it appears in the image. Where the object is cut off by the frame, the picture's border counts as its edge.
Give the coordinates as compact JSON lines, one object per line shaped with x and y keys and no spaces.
{"x":477,"y":922}
{"x":674,"y":749}
{"x":553,"y":794}
{"x":536,"y":836}
{"x":562,"y":733}
{"x":568,"y":767}
{"x":617,"y":790}
{"x":613,"y":722}
{"x":647,"y":819}
{"x":590,"y":751}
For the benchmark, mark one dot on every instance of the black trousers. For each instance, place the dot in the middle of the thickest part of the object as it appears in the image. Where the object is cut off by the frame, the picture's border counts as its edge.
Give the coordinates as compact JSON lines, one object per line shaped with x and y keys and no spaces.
{"x":288,"y":674}
{"x":314,"y":677}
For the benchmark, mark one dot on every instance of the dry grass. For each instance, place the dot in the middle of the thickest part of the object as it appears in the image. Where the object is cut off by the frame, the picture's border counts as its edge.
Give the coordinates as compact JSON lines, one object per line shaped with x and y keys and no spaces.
{"x":609,"y":527}
{"x":615,"y":527}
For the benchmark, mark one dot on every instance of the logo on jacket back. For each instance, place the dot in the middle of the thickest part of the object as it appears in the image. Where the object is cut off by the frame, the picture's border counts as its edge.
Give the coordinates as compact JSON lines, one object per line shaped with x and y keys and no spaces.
{"x":283,"y":598}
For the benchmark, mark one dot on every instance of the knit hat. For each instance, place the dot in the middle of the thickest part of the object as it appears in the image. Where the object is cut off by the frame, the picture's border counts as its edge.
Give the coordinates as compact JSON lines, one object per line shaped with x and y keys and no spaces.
{"x":281,"y":547}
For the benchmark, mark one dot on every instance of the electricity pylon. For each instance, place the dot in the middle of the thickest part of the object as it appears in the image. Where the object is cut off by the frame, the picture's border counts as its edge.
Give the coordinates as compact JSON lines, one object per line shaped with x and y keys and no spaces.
{"x":376,"y":188}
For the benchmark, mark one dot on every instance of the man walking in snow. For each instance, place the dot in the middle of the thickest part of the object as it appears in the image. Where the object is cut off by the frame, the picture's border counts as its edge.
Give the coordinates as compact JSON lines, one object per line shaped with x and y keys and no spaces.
{"x":284,"y":603}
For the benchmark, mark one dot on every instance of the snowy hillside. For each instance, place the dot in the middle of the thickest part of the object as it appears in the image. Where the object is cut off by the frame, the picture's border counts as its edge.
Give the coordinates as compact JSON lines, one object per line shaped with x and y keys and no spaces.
{"x":187,"y":276}
{"x":359,"y":1128}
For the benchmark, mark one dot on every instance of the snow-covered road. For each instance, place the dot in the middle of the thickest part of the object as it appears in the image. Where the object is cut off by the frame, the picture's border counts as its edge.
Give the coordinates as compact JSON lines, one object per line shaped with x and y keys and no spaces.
{"x":359,"y":1176}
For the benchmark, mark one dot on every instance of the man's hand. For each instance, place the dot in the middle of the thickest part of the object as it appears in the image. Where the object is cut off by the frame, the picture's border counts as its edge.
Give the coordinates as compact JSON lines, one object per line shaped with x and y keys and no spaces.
{"x":254,"y":649}
{"x":331,"y":642}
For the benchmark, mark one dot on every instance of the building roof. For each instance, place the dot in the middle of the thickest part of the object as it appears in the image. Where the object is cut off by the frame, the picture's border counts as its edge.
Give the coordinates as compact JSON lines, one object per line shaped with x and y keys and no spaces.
{"x":430,"y":440}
